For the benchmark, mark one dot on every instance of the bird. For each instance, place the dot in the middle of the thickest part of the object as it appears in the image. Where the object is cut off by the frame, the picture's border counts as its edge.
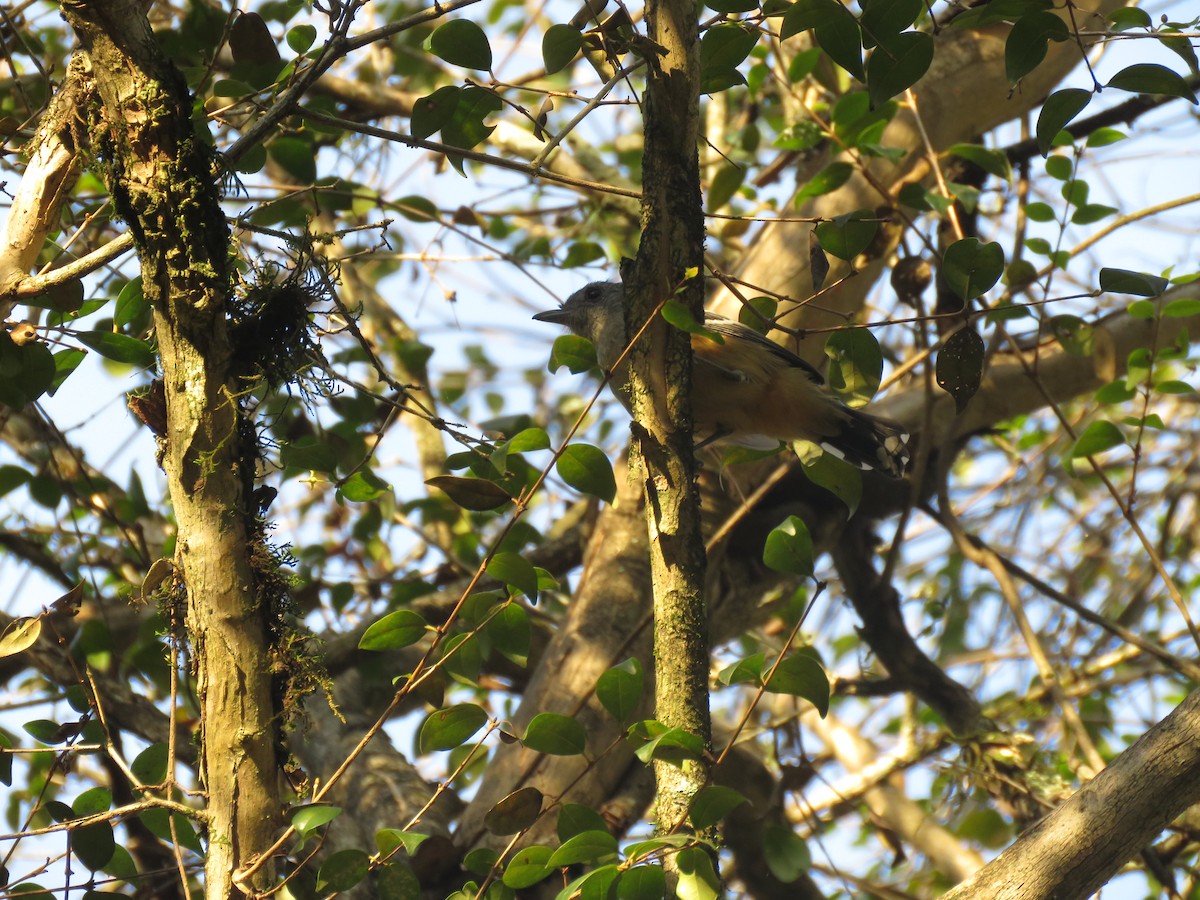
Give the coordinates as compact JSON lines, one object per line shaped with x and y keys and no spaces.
{"x":746,"y":389}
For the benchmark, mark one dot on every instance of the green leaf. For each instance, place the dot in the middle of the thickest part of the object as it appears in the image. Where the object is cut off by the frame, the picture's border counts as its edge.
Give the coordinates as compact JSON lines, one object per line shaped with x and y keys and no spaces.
{"x":580,"y":253}
{"x":849,"y":235}
{"x":653,"y":740}
{"x":855,"y":364}
{"x":560,"y":45}
{"x":697,"y":878}
{"x":528,"y":866}
{"x":529,"y":439}
{"x":295,"y":156}
{"x":1092,"y":212}
{"x":1129,"y":17}
{"x":713,"y":803}
{"x":311,"y":817}
{"x":959,"y":367}
{"x":515,"y":571}
{"x":451,"y":727}
{"x":94,"y":844}
{"x":1124,"y":281}
{"x":1099,"y":436}
{"x":510,"y":632}
{"x":388,"y":840}
{"x":363,"y":486}
{"x":150,"y":766}
{"x":971,"y":268}
{"x":994,"y":162}
{"x":589,"y":847}
{"x":555,"y":735}
{"x":474,"y":494}
{"x":837,"y":476}
{"x":308,"y":454}
{"x":119,"y":348}
{"x":342,"y":871}
{"x":1151,"y":78}
{"x":26,"y":371}
{"x":678,"y":315}
{"x":417,"y":209}
{"x":587,"y":469}
{"x":801,"y":676}
{"x":898,"y":64}
{"x":642,"y":883}
{"x":575,"y":818}
{"x":131,"y":306}
{"x":724,"y":185}
{"x":748,"y":670}
{"x":1060,"y":108}
{"x":1059,"y":167}
{"x":1102,"y":137}
{"x":722,"y":49}
{"x":620,"y":689}
{"x":786,"y":853}
{"x":301,"y":37}
{"x":462,"y":43}
{"x":574,"y":352}
{"x":1182,"y":308}
{"x":394,"y":631}
{"x":430,"y":115}
{"x":1027,"y":42}
{"x":65,"y":362}
{"x":829,"y":179}
{"x":466,"y":127}
{"x":514,"y":812}
{"x":789,"y":548}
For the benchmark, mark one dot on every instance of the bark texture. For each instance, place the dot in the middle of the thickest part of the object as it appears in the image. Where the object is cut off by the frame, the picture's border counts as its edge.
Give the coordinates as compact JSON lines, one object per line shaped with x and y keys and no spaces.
{"x":163,"y":184}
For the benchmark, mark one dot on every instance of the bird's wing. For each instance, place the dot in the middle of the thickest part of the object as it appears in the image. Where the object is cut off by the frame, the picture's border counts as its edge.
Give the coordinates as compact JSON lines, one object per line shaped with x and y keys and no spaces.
{"x":737,"y":357}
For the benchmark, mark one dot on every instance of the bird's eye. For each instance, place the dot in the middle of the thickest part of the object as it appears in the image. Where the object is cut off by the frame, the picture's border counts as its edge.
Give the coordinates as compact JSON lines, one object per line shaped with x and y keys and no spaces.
{"x":592,"y":293}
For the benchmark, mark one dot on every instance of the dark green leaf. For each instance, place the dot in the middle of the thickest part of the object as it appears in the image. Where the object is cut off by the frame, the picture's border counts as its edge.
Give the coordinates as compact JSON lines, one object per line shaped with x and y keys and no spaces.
{"x":94,"y":845}
{"x":555,"y":734}
{"x":396,"y":630}
{"x":466,"y":127}
{"x":994,"y":162}
{"x":678,"y":315}
{"x":724,"y":185}
{"x":560,"y":45}
{"x":1124,"y":281}
{"x":1151,"y":78}
{"x":642,"y":883}
{"x":789,"y":548}
{"x":801,"y":676}
{"x":308,"y":454}
{"x":1129,"y":17}
{"x":786,"y":853}
{"x":971,"y":268}
{"x":1092,"y":212}
{"x":587,"y":469}
{"x":855,"y":364}
{"x":713,"y":803}
{"x":620,"y":689}
{"x":725,"y":46}
{"x":580,"y":253}
{"x":653,"y":740}
{"x":474,"y":494}
{"x":431,"y":114}
{"x":447,"y":728}
{"x":960,"y":366}
{"x":847,"y":236}
{"x":515,"y":812}
{"x":510,"y":632}
{"x":883,"y":20}
{"x":1027,"y":42}
{"x":462,"y":43}
{"x":65,"y":362}
{"x":417,"y":209}
{"x":1060,"y":108}
{"x":388,"y":840}
{"x":119,"y":347}
{"x":150,"y":766}
{"x":1099,"y":436}
{"x":515,"y":571}
{"x":898,"y":64}
{"x":131,"y":307}
{"x":296,"y":157}
{"x":575,"y":818}
{"x":342,"y":871}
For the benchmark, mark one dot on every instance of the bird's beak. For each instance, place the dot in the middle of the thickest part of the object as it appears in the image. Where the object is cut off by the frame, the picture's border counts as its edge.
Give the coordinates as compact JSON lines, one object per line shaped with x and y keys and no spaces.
{"x":553,"y":316}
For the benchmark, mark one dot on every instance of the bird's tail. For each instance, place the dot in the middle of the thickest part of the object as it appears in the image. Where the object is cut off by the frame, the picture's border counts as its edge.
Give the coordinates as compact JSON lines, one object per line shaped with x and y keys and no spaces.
{"x":870,"y":442}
